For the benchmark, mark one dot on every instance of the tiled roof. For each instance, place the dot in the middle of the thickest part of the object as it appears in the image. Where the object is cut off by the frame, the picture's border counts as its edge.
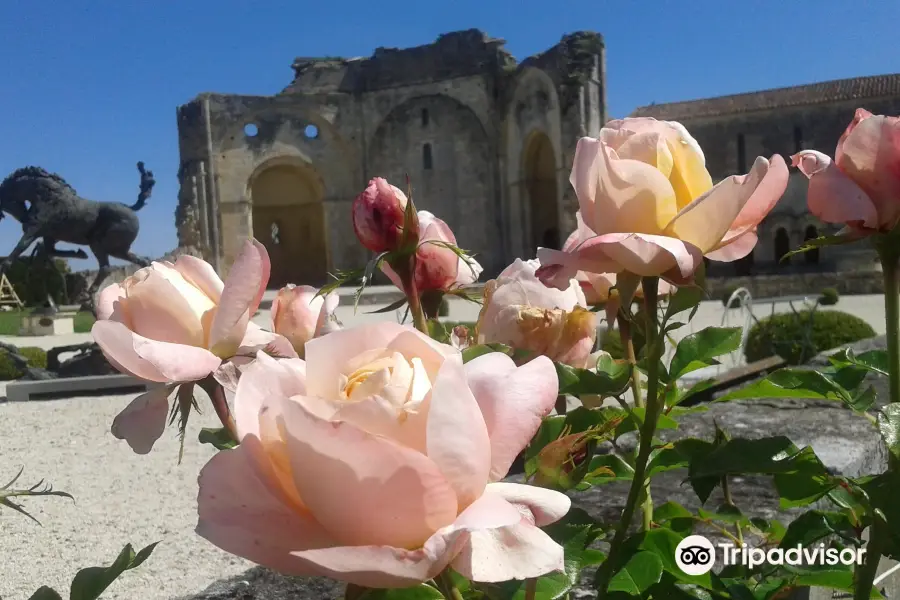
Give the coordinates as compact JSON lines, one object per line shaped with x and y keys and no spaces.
{"x":814,"y":93}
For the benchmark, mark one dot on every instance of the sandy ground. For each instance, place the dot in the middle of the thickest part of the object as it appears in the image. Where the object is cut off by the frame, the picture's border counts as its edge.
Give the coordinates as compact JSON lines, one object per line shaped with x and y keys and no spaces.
{"x":121,"y":497}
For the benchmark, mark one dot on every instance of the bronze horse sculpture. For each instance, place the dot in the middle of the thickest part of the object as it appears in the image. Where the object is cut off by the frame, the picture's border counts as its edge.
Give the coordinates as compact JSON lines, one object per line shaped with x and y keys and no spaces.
{"x":50,"y":210}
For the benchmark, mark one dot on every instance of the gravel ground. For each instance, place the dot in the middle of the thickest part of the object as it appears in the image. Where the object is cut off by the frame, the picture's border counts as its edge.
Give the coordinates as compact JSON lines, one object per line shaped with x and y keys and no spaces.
{"x":122,"y":497}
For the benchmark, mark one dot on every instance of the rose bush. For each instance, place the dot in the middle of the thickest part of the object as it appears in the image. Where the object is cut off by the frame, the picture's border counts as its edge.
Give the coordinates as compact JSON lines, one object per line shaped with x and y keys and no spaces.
{"x":377,"y":460}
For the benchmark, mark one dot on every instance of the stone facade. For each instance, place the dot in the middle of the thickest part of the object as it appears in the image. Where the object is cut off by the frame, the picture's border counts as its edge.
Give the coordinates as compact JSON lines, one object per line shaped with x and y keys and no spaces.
{"x":734,"y":130}
{"x":487,"y":143}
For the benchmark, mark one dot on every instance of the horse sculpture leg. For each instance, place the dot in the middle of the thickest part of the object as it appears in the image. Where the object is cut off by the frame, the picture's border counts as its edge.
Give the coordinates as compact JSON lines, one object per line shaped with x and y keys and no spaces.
{"x":26,"y":240}
{"x":102,"y":273}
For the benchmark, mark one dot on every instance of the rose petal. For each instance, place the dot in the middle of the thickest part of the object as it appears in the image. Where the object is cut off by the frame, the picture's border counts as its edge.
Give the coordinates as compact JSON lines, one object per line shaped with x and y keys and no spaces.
{"x":456,"y":435}
{"x":256,"y":338}
{"x":266,"y":378}
{"x":108,"y":305}
{"x":116,"y":342}
{"x":832,"y":196}
{"x":545,"y":506}
{"x":515,"y":552}
{"x":365,"y":490}
{"x":620,"y":195}
{"x":143,"y":420}
{"x":736,"y":248}
{"x":327,"y":356}
{"x":513,"y":401}
{"x":201,"y":274}
{"x":706,"y":220}
{"x":239,"y":514}
{"x":386,"y":567}
{"x":242,"y":292}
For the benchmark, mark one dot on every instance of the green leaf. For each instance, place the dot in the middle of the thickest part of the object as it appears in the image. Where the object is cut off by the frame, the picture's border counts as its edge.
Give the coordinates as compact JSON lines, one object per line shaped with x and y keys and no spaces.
{"x":675,"y":517}
{"x":807,"y":383}
{"x":606,"y":468}
{"x":819,"y":242}
{"x":473,"y":352}
{"x":642,"y":570}
{"x":830,"y":578}
{"x":815,"y":525}
{"x":663,"y":542}
{"x":699,"y":349}
{"x":420,"y":592}
{"x":726,"y":513}
{"x":676,"y":395}
{"x":390,"y":307}
{"x":610,"y":379}
{"x":687,"y":297}
{"x":888,"y":420}
{"x":629,"y":425}
{"x":91,"y":582}
{"x":874,"y":360}
{"x":220,"y":438}
{"x":45,"y":593}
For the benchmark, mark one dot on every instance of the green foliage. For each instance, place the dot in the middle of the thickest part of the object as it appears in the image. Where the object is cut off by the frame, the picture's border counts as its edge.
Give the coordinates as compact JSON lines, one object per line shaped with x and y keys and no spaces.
{"x":37,"y":358}
{"x":829,"y":297}
{"x":220,"y":438}
{"x":33,"y":280}
{"x":797,"y":337}
{"x":91,"y":582}
{"x":11,"y":322}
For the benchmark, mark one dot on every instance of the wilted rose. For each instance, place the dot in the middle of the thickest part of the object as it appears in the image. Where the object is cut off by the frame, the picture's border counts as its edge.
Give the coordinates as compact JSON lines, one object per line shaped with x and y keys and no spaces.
{"x":377,"y":461}
{"x":523,"y":313}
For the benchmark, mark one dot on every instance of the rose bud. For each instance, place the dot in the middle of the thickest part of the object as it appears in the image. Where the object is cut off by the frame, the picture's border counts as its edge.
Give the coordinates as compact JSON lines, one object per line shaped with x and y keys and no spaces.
{"x":378,"y":215}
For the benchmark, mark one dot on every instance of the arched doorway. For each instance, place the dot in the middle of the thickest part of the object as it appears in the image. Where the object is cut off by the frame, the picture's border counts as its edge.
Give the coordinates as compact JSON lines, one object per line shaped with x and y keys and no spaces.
{"x":811,"y":256}
{"x":539,"y":167}
{"x":782,"y":246}
{"x":289,"y":219}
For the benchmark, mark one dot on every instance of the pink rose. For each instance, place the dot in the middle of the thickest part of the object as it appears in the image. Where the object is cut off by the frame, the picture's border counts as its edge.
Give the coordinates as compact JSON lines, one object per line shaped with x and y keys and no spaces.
{"x":523,"y":313}
{"x":299,"y":315}
{"x":861,"y":187}
{"x":648,"y":206}
{"x":176,"y":323}
{"x":378,"y":215}
{"x":377,"y":462}
{"x":437,"y":266}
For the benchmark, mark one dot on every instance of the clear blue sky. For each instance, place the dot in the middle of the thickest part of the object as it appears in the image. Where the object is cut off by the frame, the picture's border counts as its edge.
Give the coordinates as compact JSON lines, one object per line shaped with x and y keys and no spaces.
{"x":89,"y":87}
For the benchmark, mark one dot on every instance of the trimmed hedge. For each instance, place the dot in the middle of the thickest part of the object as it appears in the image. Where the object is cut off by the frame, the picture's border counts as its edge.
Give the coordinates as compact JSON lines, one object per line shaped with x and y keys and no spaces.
{"x":829,"y":297}
{"x":37,"y":358}
{"x":34,"y":280}
{"x":785,"y":335}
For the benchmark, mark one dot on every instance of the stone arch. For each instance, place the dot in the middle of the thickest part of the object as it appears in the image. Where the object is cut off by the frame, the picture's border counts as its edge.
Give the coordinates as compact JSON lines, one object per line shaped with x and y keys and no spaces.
{"x":450,"y":162}
{"x":782,"y":245}
{"x":811,"y":232}
{"x":539,"y":170}
{"x":533,"y":113}
{"x":288,"y":218}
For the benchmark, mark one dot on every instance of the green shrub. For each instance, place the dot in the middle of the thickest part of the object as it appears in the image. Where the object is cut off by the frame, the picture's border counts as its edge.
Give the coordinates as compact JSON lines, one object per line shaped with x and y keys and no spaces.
{"x":829,"y":297}
{"x":726,"y":295}
{"x":34,"y":280}
{"x":785,"y":335}
{"x":8,"y":371}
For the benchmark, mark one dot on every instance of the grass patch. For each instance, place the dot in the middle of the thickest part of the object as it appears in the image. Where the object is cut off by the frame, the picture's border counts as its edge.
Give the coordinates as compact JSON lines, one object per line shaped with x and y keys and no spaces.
{"x":11,"y":322}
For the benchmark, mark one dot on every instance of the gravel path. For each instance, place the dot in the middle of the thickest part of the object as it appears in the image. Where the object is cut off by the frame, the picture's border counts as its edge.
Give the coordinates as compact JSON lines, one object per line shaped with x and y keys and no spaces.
{"x":122,"y":497}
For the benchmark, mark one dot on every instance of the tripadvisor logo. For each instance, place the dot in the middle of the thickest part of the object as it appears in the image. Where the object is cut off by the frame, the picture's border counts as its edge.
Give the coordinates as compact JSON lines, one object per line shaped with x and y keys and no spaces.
{"x":695,"y":555}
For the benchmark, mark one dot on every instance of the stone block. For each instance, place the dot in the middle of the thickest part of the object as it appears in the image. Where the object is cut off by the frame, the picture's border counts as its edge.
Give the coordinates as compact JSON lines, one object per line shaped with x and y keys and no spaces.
{"x":59,"y":324}
{"x":46,"y":389}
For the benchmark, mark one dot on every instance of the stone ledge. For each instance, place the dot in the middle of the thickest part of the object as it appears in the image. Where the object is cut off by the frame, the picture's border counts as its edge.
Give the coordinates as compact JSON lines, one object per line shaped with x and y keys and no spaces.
{"x":63,"y":387}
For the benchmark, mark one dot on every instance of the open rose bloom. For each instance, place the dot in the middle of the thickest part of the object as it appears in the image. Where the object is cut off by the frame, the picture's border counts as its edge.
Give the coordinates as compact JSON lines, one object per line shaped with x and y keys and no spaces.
{"x":648,"y":206}
{"x":861,"y":186}
{"x":377,"y":461}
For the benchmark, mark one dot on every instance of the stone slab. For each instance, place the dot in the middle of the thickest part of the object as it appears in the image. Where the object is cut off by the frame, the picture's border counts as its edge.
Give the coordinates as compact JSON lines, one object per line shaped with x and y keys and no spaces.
{"x":47,"y":325}
{"x":47,"y":389}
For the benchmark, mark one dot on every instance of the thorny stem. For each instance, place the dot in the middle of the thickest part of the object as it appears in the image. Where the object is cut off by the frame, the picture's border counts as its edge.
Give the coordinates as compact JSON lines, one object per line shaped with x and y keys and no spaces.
{"x":653,"y":408}
{"x":216,"y":394}
{"x":406,"y":271}
{"x":530,"y":589}
{"x":628,"y":343}
{"x":890,"y":265}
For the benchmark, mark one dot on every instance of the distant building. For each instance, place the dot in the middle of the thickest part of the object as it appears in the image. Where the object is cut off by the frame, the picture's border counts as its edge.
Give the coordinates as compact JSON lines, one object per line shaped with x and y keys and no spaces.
{"x":734,"y":130}
{"x":487,"y":142}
